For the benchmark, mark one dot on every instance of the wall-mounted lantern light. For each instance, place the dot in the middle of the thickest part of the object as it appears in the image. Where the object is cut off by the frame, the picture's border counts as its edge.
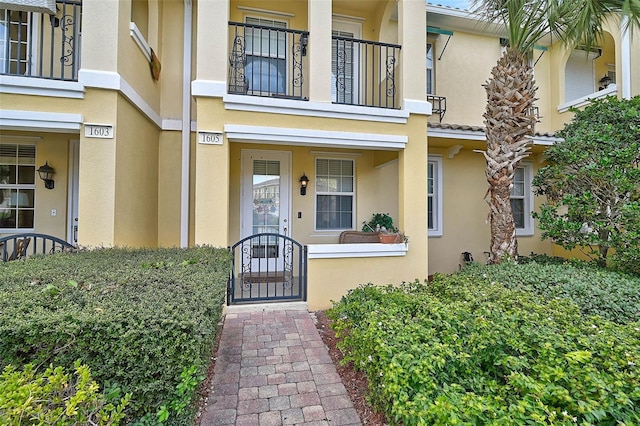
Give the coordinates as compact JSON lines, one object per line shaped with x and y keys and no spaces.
{"x":304,"y":181}
{"x":46,"y":174}
{"x":605,"y":82}
{"x":304,"y":41}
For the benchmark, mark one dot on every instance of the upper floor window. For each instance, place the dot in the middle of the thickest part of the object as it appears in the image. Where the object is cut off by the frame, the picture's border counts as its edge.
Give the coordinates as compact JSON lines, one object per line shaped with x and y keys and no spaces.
{"x":266,"y":49}
{"x":17,"y":186}
{"x":15,"y":47}
{"x":579,"y":75}
{"x":434,"y":195}
{"x":430,"y":88}
{"x":522,"y":200}
{"x":345,"y":61}
{"x":335,"y":192}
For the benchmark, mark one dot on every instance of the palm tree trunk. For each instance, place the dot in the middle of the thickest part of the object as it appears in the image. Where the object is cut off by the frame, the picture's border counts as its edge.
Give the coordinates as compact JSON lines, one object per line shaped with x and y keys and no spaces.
{"x":509,"y":124}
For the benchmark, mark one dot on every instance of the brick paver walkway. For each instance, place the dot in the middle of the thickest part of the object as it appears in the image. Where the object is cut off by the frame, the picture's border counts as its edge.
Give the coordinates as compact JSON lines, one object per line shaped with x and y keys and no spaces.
{"x":272,"y":368}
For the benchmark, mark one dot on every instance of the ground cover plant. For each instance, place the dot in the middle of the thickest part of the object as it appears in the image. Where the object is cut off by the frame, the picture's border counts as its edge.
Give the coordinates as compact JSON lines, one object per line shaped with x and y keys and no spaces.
{"x":596,"y":291}
{"x":143,"y":321}
{"x":464,"y":350}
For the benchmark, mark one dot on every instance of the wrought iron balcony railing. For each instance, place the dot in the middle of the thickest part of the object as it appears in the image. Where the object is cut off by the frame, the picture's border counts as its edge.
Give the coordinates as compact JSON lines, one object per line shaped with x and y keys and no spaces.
{"x":364,"y":72}
{"x":40,"y":45}
{"x":438,"y":105}
{"x":267,"y":61}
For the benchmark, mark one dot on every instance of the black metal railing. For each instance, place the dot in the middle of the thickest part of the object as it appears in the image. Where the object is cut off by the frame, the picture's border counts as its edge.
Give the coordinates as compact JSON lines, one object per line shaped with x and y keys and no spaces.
{"x":267,"y":267}
{"x":41,"y":45}
{"x":438,"y":105}
{"x":21,"y":246}
{"x":267,"y":61}
{"x":364,"y":72}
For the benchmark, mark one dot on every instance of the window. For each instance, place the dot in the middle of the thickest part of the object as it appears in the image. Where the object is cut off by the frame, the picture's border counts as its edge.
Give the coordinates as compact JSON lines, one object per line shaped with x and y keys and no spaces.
{"x":15,"y":28}
{"x":430,"y":87}
{"x":335,"y":185}
{"x":345,"y":62}
{"x":17,"y":186}
{"x":266,"y":50}
{"x":578,"y":75}
{"x":434,"y":195}
{"x":522,"y":200}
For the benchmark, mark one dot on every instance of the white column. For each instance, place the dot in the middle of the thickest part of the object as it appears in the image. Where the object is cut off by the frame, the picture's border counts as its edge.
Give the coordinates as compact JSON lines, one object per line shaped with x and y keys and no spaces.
{"x":625,"y":60}
{"x":319,"y":51}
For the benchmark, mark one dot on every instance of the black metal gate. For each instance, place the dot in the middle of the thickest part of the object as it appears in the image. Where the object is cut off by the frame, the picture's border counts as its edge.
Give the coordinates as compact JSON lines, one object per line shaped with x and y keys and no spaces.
{"x":267,"y":267}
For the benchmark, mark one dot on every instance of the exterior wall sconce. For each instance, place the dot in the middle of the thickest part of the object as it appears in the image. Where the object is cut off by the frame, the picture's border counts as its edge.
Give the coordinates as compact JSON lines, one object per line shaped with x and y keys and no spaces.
{"x":304,"y":41}
{"x":46,"y":174}
{"x":304,"y":181}
{"x":605,"y":82}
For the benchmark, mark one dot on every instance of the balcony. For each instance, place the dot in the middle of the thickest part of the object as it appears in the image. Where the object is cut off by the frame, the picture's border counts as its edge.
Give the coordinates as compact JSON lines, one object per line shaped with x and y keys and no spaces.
{"x":41,"y":45}
{"x":438,"y":105}
{"x":364,"y":73}
{"x":267,"y":61}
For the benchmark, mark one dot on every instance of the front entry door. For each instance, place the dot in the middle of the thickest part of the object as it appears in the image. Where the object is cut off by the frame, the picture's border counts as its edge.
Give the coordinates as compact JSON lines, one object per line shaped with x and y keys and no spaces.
{"x":265,"y":204}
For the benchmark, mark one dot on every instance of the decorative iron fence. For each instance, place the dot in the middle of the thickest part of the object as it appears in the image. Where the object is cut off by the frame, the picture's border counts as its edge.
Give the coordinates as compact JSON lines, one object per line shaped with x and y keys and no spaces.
{"x":267,"y":61}
{"x":364,"y":72}
{"x":41,"y":45}
{"x":267,"y":267}
{"x":21,"y":246}
{"x":438,"y":105}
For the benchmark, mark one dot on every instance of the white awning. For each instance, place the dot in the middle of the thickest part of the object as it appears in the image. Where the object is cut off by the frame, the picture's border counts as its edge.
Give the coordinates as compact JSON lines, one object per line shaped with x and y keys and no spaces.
{"x":40,"y":6}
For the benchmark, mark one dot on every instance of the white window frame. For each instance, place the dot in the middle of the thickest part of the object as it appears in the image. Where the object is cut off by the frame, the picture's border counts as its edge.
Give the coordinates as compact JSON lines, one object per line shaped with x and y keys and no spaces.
{"x":277,"y":54}
{"x":29,"y":43}
{"x":347,"y":28}
{"x":527,"y":197}
{"x":437,"y":229}
{"x":317,"y":193}
{"x":430,"y":69}
{"x":23,"y":186}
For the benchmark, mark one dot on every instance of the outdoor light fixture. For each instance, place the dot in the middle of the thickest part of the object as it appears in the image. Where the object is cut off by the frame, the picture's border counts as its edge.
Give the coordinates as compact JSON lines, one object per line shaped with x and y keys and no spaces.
{"x":605,"y":82}
{"x":304,"y":41}
{"x":46,"y":174}
{"x":304,"y":181}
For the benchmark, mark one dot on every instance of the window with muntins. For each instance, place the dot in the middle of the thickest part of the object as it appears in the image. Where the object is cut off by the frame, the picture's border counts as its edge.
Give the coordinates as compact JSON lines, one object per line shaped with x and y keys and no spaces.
{"x":434,"y":196}
{"x":430,"y":69}
{"x":15,"y":27}
{"x":335,"y":191}
{"x":522,"y":200}
{"x":17,"y":186}
{"x":266,"y":50}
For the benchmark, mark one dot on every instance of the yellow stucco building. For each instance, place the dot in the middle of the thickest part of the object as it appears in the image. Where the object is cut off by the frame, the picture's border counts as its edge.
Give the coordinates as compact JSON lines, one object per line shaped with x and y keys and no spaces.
{"x":180,"y":122}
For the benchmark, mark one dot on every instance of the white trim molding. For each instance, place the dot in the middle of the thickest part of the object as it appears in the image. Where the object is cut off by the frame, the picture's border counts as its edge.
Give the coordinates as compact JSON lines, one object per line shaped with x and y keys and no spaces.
{"x":335,"y":251}
{"x":142,"y":43}
{"x":612,"y":89}
{"x":40,"y":87}
{"x":313,"y":137}
{"x":472,"y":135}
{"x":414,"y":106}
{"x":37,"y":120}
{"x":208,"y":88}
{"x":111,"y":80}
{"x":313,"y":109}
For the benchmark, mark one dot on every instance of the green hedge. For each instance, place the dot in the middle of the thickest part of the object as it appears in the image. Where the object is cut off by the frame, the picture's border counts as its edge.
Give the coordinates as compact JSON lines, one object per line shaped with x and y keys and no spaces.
{"x":596,"y":291}
{"x":140,"y":319}
{"x":464,"y":351}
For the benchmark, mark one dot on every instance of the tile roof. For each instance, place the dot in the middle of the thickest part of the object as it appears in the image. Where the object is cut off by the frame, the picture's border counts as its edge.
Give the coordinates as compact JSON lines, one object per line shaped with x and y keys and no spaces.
{"x":463,"y":127}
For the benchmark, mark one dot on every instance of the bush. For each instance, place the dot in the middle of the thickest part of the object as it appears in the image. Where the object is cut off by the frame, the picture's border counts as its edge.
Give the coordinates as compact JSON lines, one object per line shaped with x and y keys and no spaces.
{"x":138,"y":318}
{"x":54,"y":397}
{"x":596,"y":291}
{"x":463,"y":351}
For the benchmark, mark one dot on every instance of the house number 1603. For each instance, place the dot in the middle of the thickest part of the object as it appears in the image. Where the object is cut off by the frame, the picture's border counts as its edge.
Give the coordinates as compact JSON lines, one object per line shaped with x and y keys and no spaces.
{"x":210,"y":138}
{"x":104,"y":131}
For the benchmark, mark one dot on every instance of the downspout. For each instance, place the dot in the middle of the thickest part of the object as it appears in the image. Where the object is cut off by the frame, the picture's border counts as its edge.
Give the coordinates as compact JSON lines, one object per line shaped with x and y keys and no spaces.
{"x":625,"y":60}
{"x":186,"y":124}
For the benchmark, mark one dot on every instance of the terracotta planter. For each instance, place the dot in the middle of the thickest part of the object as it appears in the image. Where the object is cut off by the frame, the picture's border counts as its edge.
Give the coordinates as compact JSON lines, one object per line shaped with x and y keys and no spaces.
{"x":390,"y":238}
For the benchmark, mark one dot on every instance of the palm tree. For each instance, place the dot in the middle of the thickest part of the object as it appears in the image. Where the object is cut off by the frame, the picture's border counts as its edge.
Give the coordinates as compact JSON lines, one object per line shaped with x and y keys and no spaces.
{"x":511,"y":89}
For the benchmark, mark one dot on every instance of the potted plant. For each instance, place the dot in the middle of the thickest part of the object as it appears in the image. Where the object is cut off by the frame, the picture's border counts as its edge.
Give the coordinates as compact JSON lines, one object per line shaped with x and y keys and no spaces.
{"x":382,"y":223}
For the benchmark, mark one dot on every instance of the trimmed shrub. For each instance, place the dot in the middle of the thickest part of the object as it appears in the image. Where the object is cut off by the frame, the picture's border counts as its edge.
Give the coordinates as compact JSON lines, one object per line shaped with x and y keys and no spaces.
{"x":596,"y":291}
{"x":463,"y":351}
{"x":55,"y":397}
{"x":137,"y":318}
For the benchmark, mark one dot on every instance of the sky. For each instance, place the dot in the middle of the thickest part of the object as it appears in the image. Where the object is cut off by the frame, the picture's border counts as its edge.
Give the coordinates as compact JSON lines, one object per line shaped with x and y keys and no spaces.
{"x":461,"y":4}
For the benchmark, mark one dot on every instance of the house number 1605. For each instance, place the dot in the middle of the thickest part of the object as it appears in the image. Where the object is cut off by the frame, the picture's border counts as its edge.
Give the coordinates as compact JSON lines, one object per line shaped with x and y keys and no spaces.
{"x":210,"y":138}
